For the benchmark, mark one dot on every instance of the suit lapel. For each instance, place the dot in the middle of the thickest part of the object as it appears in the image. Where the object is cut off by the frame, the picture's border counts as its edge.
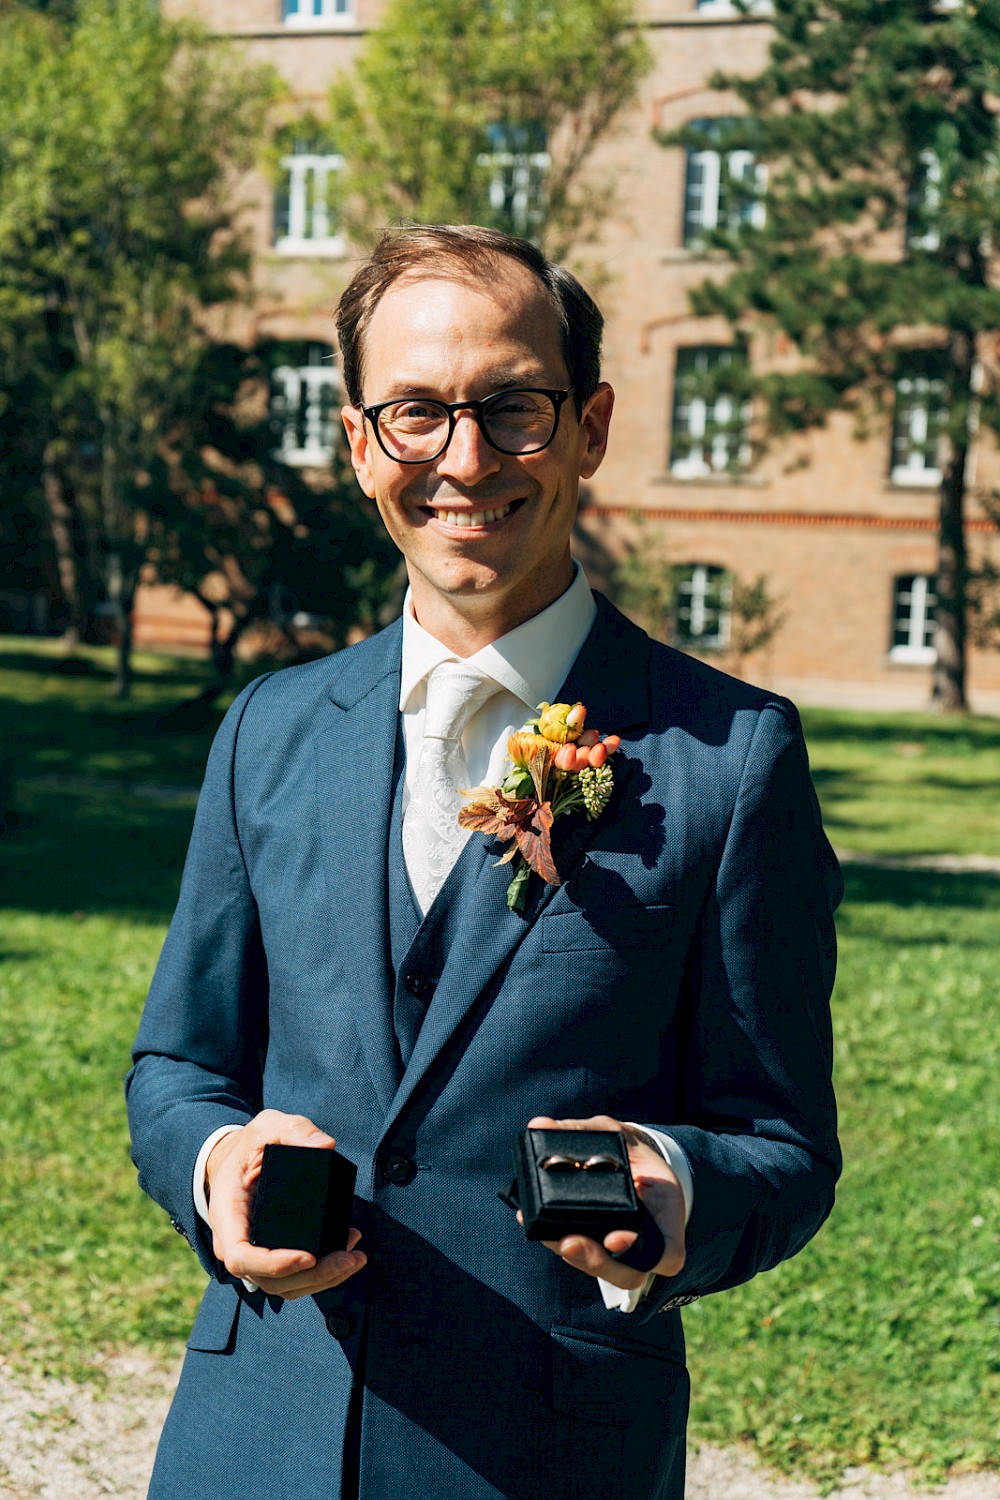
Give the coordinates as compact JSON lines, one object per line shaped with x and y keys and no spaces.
{"x":356,"y":753}
{"x":611,"y":676}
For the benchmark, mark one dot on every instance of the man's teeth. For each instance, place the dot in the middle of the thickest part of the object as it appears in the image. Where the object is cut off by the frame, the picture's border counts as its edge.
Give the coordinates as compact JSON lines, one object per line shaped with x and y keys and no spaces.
{"x":471,"y":517}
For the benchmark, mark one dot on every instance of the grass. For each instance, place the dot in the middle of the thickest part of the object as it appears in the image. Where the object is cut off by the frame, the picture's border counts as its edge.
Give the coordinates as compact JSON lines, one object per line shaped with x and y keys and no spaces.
{"x":907,"y":783}
{"x":878,"y":1344}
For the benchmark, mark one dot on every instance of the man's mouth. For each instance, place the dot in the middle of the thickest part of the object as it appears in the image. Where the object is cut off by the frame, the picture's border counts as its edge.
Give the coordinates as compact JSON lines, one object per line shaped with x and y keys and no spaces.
{"x":471,"y":518}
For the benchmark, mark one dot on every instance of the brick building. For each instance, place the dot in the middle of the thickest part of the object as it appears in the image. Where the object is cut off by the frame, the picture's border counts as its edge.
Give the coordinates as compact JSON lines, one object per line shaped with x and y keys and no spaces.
{"x":844,"y":530}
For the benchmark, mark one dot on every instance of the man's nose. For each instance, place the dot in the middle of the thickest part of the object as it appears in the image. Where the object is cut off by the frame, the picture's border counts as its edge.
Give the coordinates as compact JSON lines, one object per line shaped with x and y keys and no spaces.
{"x":468,"y":457}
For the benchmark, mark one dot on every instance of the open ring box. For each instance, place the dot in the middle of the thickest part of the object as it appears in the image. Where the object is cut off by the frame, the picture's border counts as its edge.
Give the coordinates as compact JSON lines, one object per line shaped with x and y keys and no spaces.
{"x":580,"y":1182}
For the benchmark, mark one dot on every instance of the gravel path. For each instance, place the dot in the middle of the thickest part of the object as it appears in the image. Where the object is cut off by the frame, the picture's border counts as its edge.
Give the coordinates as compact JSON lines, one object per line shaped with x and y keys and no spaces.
{"x":60,"y":1441}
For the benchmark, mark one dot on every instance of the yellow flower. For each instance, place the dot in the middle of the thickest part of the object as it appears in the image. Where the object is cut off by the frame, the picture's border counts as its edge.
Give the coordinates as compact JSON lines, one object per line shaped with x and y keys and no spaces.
{"x":522,"y":746}
{"x":562,"y":722}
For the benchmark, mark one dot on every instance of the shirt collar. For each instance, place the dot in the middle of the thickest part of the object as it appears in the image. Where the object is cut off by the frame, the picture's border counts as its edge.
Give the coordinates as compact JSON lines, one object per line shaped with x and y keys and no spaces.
{"x":531,"y":661}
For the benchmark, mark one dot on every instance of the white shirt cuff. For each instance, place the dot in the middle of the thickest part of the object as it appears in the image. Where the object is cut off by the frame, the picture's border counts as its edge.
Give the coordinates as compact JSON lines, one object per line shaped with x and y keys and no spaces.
{"x":620,"y":1297}
{"x":198,"y":1186}
{"x":200,"y":1196}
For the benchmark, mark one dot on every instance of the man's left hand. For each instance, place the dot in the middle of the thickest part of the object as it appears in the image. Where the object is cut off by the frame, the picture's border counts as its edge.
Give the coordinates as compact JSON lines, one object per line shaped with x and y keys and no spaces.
{"x":659,"y":1190}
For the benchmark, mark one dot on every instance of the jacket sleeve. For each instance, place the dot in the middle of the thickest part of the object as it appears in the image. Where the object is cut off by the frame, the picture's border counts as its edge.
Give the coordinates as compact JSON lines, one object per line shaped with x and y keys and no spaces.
{"x":758,"y":1116}
{"x":198,"y":1057}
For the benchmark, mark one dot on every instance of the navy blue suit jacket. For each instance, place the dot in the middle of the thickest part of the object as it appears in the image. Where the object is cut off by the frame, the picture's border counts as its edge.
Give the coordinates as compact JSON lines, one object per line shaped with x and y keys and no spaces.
{"x":680,"y":977}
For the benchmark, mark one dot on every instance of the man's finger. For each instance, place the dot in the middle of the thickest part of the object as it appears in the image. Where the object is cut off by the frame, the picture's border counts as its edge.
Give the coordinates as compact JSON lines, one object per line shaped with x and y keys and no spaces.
{"x":587,"y":1255}
{"x":329,"y":1272}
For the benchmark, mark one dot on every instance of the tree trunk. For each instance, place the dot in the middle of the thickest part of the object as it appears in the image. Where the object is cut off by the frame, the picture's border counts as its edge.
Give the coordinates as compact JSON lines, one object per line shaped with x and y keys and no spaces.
{"x":66,"y":528}
{"x":948,"y":693}
{"x":123,"y":666}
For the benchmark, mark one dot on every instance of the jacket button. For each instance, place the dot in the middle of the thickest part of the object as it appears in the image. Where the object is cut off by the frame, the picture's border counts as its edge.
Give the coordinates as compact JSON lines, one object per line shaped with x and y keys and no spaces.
{"x":339,"y":1322}
{"x":419,"y":986}
{"x":399,"y":1168}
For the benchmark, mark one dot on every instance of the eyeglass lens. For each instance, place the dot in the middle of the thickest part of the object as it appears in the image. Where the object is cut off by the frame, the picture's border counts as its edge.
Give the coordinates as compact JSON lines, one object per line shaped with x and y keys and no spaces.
{"x":513,"y":421}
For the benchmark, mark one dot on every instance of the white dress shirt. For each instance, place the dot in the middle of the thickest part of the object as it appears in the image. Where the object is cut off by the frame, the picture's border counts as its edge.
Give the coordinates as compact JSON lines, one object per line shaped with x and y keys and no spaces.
{"x":530,"y":664}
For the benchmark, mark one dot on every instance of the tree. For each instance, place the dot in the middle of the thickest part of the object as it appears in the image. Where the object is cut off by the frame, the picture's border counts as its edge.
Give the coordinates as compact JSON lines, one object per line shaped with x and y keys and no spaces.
{"x":119,"y":141}
{"x":741,"y":618}
{"x":878,"y":128}
{"x":249,"y":537}
{"x":465,"y":113}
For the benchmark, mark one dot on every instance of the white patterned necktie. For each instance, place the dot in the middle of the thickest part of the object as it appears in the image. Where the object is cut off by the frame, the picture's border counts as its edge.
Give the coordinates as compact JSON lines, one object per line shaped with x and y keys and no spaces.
{"x":432,"y":838}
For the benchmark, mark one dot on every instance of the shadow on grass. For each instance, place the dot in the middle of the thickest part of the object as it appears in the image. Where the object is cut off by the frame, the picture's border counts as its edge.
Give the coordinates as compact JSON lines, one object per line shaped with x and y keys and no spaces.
{"x":923,"y":733}
{"x":875,"y":885}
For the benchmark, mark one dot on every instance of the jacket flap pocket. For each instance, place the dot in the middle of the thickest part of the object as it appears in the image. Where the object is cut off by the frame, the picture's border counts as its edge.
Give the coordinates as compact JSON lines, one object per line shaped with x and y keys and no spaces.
{"x":215,"y":1326}
{"x":615,"y":1383}
{"x":615,"y":927}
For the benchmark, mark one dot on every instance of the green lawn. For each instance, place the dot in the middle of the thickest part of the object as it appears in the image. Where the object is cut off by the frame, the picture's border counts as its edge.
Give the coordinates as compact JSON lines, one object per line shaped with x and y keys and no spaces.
{"x":879,"y":1343}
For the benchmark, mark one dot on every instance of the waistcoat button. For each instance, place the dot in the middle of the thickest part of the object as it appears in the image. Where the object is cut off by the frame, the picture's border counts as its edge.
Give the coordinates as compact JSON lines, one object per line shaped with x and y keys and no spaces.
{"x":399,"y":1168}
{"x":339,"y":1322}
{"x":420,"y":986}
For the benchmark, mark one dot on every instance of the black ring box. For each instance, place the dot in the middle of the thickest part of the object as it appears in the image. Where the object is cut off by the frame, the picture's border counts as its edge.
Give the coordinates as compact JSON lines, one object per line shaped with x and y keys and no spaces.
{"x":558,"y":1201}
{"x":304,"y":1200}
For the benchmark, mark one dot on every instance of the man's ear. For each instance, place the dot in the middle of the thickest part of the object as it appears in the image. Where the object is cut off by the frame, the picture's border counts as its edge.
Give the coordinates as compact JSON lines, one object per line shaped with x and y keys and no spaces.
{"x":594,"y":424}
{"x":357,"y":436}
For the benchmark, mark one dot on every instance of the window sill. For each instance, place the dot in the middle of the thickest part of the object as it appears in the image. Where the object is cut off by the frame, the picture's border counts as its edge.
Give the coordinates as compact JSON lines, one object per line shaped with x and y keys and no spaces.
{"x":306,"y":458}
{"x":915,"y":479}
{"x":912,"y":656}
{"x":334,"y":248}
{"x":317,"y":23}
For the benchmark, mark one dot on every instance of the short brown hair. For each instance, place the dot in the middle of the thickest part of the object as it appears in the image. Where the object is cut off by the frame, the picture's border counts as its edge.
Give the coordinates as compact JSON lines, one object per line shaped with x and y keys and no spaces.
{"x":467,"y":250}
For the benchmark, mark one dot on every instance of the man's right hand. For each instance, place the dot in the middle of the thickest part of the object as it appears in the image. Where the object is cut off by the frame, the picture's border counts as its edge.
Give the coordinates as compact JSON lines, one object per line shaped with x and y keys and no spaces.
{"x":231,"y":1173}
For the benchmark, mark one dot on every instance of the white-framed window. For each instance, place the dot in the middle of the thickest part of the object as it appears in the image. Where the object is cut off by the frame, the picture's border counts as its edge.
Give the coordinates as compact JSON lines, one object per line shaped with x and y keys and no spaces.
{"x":316,"y":12}
{"x":709,"y":430}
{"x":305,"y":221}
{"x":730,"y":8}
{"x":303,"y":396}
{"x":923,"y":200}
{"x":703,"y":604}
{"x":722,"y":189}
{"x":518,"y":162}
{"x":913,"y":604}
{"x":918,"y":422}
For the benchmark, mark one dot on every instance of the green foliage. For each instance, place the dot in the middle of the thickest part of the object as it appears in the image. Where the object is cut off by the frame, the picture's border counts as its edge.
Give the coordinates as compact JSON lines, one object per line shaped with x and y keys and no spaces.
{"x":414,"y":118}
{"x":878,"y":127}
{"x":120,"y":136}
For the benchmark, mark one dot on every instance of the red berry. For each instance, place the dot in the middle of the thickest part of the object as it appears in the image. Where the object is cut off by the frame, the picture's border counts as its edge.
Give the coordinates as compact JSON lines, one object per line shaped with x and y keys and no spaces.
{"x":611,"y":743}
{"x":597,"y":755}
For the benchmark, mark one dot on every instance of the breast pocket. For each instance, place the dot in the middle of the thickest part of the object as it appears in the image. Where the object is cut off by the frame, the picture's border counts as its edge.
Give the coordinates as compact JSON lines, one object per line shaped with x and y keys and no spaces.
{"x":617,"y":929}
{"x":614,"y":1382}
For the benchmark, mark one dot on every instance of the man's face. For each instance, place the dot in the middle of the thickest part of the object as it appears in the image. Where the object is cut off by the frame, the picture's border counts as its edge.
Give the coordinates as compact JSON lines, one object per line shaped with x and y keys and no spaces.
{"x":486,"y":535}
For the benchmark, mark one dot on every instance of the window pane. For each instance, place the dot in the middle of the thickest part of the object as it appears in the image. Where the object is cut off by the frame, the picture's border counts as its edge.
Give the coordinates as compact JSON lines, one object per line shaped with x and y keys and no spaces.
{"x":302,"y":404}
{"x":710,"y":417}
{"x":919,"y":420}
{"x":702,"y":611}
{"x":913,"y":603}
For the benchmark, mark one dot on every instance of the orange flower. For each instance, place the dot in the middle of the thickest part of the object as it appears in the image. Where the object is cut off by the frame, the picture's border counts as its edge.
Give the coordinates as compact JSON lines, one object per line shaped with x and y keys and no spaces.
{"x":522,"y":746}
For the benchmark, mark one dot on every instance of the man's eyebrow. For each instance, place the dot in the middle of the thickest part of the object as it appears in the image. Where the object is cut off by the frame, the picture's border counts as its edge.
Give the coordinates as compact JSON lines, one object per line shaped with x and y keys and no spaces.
{"x":499,"y":380}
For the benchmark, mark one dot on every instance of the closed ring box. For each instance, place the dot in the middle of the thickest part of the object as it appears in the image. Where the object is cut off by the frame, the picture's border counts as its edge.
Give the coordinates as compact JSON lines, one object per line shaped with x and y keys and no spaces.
{"x":304,"y":1199}
{"x":580,"y":1182}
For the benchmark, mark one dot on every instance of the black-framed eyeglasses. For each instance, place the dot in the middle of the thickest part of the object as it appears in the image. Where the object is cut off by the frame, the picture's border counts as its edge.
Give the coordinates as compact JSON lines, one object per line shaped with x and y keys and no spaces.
{"x":415,"y":430}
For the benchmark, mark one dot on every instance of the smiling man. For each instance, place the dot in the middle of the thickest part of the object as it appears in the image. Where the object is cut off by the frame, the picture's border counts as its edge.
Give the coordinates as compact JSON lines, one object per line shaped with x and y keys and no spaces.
{"x":343,"y":965}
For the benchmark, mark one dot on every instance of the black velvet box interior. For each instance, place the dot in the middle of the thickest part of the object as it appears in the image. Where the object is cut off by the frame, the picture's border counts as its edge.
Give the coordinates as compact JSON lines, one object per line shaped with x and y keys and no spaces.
{"x":303,"y":1200}
{"x":561,"y":1198}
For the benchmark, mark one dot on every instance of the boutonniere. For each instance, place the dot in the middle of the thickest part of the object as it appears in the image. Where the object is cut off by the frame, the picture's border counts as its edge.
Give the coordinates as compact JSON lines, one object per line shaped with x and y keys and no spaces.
{"x":556,"y":767}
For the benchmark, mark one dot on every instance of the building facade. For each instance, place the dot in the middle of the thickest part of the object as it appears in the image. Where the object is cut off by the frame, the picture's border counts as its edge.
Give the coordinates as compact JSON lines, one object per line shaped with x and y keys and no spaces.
{"x":841,"y":528}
